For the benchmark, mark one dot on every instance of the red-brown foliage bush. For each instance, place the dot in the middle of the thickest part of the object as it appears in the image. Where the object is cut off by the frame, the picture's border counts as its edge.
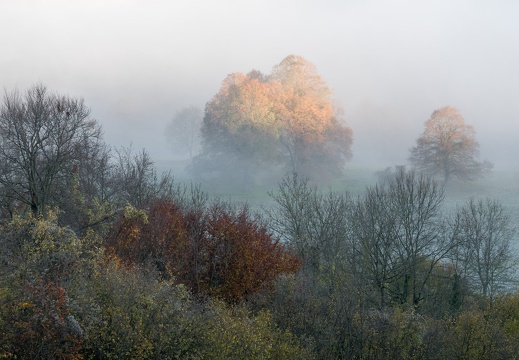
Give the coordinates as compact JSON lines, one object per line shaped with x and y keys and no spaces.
{"x":219,"y":252}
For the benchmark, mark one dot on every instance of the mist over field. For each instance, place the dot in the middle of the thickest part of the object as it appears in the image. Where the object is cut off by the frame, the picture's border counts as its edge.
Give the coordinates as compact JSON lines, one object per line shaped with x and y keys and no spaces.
{"x":389,"y":64}
{"x":289,"y":179}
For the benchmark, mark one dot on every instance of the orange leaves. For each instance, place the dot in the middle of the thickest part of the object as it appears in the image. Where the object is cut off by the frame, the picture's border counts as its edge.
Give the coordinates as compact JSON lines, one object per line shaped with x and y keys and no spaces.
{"x":286,"y":116}
{"x":448,"y":147}
{"x":241,"y":100}
{"x":220,"y":252}
{"x":297,"y":73}
{"x":256,"y":104}
{"x":307,"y":103}
{"x":241,"y":118}
{"x":448,"y":126}
{"x":305,"y":118}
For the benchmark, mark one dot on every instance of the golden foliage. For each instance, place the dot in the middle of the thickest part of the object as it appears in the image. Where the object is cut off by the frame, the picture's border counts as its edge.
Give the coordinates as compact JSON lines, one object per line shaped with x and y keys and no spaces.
{"x":286,"y":117}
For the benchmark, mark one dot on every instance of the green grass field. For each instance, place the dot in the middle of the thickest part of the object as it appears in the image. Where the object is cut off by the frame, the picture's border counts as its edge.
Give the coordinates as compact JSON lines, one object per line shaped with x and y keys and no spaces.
{"x":502,"y":185}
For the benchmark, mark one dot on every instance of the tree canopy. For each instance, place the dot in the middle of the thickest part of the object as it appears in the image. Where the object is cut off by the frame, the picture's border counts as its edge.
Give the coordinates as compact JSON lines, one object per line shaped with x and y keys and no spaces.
{"x":448,"y":147}
{"x":285,"y":118}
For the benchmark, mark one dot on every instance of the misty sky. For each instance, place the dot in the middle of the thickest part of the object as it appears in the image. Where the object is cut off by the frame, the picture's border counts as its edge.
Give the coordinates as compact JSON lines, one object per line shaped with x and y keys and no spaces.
{"x":389,"y":63}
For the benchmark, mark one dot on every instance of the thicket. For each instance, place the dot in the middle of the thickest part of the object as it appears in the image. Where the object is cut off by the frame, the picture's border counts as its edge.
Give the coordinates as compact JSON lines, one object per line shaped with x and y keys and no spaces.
{"x":321,"y":275}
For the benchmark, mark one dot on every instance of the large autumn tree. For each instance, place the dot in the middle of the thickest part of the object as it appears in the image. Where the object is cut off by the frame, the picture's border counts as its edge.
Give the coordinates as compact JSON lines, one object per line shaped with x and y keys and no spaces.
{"x":448,"y":147}
{"x":285,"y":118}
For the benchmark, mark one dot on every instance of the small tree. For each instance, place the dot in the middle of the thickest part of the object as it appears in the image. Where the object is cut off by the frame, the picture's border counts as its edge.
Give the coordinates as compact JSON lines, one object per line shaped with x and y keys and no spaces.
{"x":421,"y":237}
{"x":39,"y":261}
{"x":448,"y":147}
{"x":313,"y":224}
{"x":137,"y":180}
{"x":484,"y":253}
{"x":374,"y":230}
{"x":183,"y":132}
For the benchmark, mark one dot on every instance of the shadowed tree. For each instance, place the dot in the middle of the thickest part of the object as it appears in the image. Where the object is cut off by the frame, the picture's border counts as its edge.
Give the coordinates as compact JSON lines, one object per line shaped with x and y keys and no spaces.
{"x":313,"y":224}
{"x":484,"y":253}
{"x":41,"y":140}
{"x":448,"y":147}
{"x":137,"y":180}
{"x":401,"y":237}
{"x":374,"y":225}
{"x":422,"y":241}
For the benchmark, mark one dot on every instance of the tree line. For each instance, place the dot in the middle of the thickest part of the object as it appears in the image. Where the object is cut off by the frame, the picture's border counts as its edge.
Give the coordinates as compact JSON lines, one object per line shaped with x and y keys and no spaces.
{"x":288,"y":121}
{"x":101,"y":257}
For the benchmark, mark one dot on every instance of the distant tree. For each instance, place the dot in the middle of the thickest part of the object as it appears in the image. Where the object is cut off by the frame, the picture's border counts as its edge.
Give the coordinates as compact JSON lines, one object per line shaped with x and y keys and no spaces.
{"x":286,"y":118}
{"x":240,"y":129}
{"x":41,"y":140}
{"x":314,"y":139}
{"x":448,"y":147}
{"x":183,"y":132}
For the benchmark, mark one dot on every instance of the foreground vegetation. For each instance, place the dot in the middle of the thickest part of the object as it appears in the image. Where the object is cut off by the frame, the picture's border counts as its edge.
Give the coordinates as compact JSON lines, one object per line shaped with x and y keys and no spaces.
{"x":388,"y":274}
{"x":102,"y":258}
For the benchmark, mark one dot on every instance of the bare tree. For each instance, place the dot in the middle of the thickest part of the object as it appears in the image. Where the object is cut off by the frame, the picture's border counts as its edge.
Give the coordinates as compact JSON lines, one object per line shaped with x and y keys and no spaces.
{"x":137,"y":179}
{"x":183,"y":132}
{"x":40,"y":135}
{"x":448,"y":147}
{"x":421,"y":237}
{"x":400,"y":237}
{"x":314,"y":224}
{"x":484,"y":254}
{"x":374,"y":229}
{"x":291,"y":213}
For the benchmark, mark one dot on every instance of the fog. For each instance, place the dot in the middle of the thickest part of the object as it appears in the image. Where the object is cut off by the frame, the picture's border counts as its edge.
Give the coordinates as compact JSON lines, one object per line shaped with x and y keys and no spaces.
{"x":389,"y":63}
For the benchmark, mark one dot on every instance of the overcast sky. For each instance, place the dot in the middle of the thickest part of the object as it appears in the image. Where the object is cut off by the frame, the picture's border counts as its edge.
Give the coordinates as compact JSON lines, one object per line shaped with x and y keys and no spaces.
{"x":389,"y":63}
